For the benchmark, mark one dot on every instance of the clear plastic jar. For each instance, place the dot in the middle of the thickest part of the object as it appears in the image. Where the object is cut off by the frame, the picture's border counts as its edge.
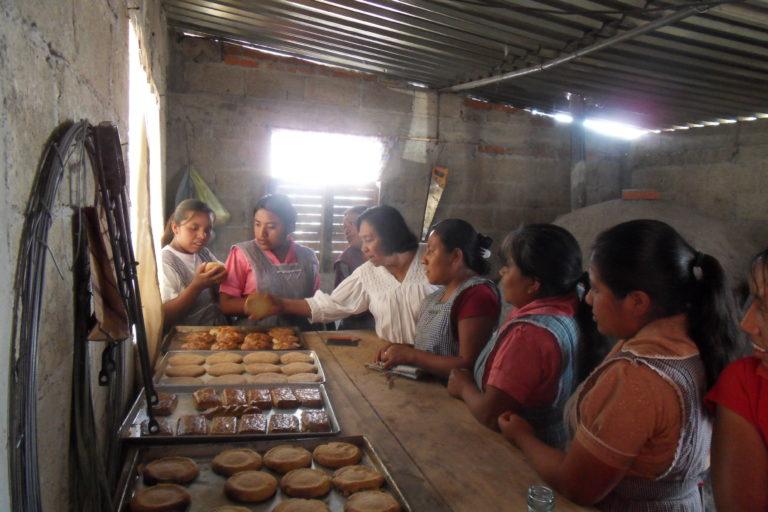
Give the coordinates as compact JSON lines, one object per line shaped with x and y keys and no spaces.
{"x":540,"y":499}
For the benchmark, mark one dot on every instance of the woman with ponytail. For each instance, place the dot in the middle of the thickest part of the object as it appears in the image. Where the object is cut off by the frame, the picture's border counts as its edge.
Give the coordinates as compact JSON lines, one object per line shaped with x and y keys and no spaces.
{"x":639,"y":432}
{"x":456,"y":321}
{"x":533,"y":362}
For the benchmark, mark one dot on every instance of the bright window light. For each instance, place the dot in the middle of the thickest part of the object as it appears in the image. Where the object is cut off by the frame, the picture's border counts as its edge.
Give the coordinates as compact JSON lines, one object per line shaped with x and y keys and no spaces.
{"x":322,"y":159}
{"x":727,"y":121}
{"x":614,"y":129}
{"x":560,"y":117}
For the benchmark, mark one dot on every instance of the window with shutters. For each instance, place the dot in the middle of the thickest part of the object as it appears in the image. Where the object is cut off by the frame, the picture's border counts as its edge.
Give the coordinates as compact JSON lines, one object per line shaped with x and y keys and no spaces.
{"x":324,"y":174}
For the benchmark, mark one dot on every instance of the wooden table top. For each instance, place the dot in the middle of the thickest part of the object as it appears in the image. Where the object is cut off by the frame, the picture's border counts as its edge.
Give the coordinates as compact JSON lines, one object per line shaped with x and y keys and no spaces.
{"x":440,"y":456}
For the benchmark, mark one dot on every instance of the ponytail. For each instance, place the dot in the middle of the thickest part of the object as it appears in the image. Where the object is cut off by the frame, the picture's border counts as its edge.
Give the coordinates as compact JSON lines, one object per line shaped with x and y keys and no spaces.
{"x":474,"y":246}
{"x":183,"y":211}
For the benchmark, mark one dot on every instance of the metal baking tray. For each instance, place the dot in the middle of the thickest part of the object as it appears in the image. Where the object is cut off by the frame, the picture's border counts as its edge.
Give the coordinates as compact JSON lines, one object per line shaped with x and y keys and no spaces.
{"x":207,"y":490}
{"x":130,"y":430}
{"x":205,"y":379}
{"x":175,"y":337}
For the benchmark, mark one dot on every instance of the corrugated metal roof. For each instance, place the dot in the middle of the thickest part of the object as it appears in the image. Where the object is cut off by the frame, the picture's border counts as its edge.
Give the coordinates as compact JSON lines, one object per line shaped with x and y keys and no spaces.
{"x":708,"y":66}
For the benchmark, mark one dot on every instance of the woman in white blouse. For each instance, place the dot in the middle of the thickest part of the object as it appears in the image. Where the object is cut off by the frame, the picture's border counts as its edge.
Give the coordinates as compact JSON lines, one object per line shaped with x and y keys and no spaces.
{"x":391,"y":284}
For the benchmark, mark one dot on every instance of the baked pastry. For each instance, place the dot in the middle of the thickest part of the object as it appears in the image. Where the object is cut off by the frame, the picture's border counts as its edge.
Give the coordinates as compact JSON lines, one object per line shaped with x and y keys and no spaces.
{"x":371,"y":501}
{"x":285,"y":342}
{"x":291,"y":368}
{"x":337,"y":454}
{"x":220,"y":369}
{"x":315,"y":421}
{"x":166,"y":404}
{"x":201,"y":337}
{"x":212,"y":265}
{"x":309,"y":397}
{"x":224,"y":425}
{"x":263,"y":378}
{"x":301,"y":505}
{"x":213,"y":331}
{"x":351,"y":479}
{"x":229,"y":380}
{"x":161,"y":498}
{"x":186,"y":370}
{"x":186,"y":359}
{"x":252,"y":424}
{"x":283,"y":423}
{"x":221,"y":345}
{"x":285,"y":457}
{"x":224,"y":357}
{"x":261,"y":357}
{"x":306,"y":483}
{"x":181,"y":381}
{"x":250,"y":486}
{"x":165,"y":427}
{"x":229,"y":337}
{"x":303,"y":377}
{"x":276,"y":332}
{"x":232,"y":396}
{"x":230,"y":410}
{"x":259,"y":305}
{"x":205,"y":398}
{"x":256,"y":368}
{"x":229,"y":462}
{"x":283,"y":398}
{"x":170,"y":470}
{"x":260,"y":397}
{"x":192,"y":425}
{"x":257,"y":341}
{"x":195,"y":345}
{"x":296,"y":357}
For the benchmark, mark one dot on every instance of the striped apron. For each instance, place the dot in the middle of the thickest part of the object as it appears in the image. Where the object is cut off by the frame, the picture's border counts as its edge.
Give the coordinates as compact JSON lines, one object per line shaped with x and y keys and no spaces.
{"x":205,"y":310}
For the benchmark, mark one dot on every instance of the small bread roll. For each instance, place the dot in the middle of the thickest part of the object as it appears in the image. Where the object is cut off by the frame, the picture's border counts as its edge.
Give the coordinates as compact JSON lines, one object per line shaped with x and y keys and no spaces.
{"x":170,"y":470}
{"x":211,"y":265}
{"x":220,"y":369}
{"x":250,"y":486}
{"x":256,"y":368}
{"x":350,"y":479}
{"x":304,"y":377}
{"x":161,"y":498}
{"x":301,"y":505}
{"x":261,"y":357}
{"x":291,"y":368}
{"x":285,"y":457}
{"x":296,"y":357}
{"x":186,"y":370}
{"x":370,"y":501}
{"x":224,"y":357}
{"x":306,"y":483}
{"x":186,"y":359}
{"x":266,"y":377}
{"x":337,"y":454}
{"x":229,"y":462}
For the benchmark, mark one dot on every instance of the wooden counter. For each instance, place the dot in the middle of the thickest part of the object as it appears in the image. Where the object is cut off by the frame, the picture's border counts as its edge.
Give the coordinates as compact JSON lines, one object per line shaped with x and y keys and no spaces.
{"x":440,"y":456}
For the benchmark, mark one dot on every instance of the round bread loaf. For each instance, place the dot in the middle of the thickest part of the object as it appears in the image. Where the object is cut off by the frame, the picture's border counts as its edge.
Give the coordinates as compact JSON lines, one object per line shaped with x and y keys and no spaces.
{"x":292,"y":368}
{"x":250,"y":486}
{"x":229,"y":462}
{"x":337,"y":454}
{"x":306,"y":483}
{"x":186,"y":370}
{"x":224,"y":357}
{"x":301,"y":505}
{"x":212,"y":265}
{"x":261,"y":357}
{"x":267,"y":377}
{"x":170,"y":470}
{"x":161,"y":498}
{"x":303,"y":377}
{"x":296,"y":357}
{"x":186,"y":359}
{"x":219,"y":369}
{"x":256,"y":368}
{"x":371,"y":501}
{"x":350,"y":479}
{"x":285,"y":457}
{"x":228,"y":379}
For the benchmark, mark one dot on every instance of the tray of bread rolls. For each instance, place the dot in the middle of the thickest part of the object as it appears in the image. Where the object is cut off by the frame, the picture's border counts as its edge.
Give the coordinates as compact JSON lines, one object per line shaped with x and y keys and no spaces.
{"x":232,"y":337}
{"x":237,"y":367}
{"x":343,"y":474}
{"x":252,"y":411}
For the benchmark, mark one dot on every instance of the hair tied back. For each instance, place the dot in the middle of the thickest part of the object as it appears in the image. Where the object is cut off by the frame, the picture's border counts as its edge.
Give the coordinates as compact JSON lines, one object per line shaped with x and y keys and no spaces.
{"x":696,"y":265}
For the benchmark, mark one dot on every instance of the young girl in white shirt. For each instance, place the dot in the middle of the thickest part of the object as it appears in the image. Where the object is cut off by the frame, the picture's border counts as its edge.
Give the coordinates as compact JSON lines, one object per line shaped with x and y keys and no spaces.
{"x":190,"y":273}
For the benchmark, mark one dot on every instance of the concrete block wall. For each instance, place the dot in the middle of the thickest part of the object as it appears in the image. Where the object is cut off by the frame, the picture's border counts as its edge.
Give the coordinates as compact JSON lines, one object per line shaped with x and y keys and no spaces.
{"x":720,"y":171}
{"x":62,"y":61}
{"x":506,"y":166}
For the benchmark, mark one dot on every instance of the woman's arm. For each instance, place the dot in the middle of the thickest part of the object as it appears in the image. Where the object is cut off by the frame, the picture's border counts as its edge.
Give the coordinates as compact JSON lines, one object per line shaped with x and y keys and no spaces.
{"x":178,"y":306}
{"x":486,"y":405}
{"x":739,"y":463}
{"x":577,"y":474}
{"x":233,"y":306}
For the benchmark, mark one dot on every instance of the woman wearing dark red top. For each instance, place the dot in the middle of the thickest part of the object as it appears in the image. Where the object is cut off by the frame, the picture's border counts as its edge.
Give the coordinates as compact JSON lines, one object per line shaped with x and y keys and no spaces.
{"x":740,"y":437}
{"x":456,"y":321}
{"x":535,"y":359}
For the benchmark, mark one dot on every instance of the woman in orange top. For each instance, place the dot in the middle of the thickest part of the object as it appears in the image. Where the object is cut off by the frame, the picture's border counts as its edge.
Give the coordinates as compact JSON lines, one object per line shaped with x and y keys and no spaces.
{"x":640,"y":434}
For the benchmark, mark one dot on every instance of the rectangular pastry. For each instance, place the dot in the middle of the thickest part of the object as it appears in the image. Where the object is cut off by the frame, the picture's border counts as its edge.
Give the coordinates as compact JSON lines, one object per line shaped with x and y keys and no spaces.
{"x":166,"y":404}
{"x":315,"y":421}
{"x":252,"y":424}
{"x":283,"y":398}
{"x":205,"y":398}
{"x":280,"y":423}
{"x":192,"y":425}
{"x":163,"y":423}
{"x":224,"y":425}
{"x":309,"y":397}
{"x":232,"y":396}
{"x":230,"y":410}
{"x":260,"y":397}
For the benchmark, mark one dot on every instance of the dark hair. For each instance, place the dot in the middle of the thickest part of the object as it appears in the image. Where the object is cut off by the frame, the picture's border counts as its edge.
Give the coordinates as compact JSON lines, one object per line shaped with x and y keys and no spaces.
{"x":280,"y":205}
{"x":459,"y":234}
{"x":183,"y":211}
{"x":356,"y":210}
{"x":552,"y":256}
{"x":650,"y":256}
{"x":391,"y":228}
